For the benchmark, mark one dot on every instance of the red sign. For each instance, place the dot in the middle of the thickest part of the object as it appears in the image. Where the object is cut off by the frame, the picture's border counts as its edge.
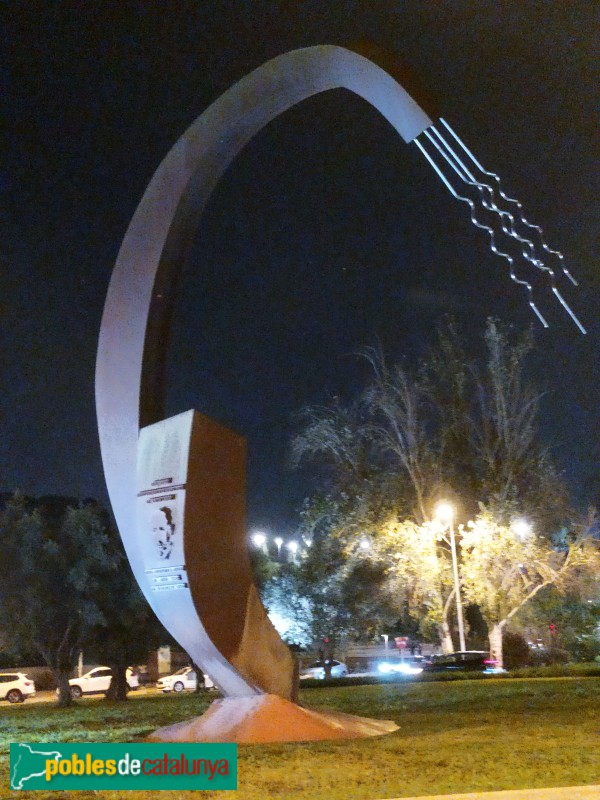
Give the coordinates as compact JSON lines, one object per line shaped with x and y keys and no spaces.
{"x":401,"y":642}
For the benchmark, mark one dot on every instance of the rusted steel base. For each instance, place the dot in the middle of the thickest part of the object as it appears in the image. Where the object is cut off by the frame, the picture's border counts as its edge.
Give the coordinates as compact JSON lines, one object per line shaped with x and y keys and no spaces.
{"x":269,"y":718}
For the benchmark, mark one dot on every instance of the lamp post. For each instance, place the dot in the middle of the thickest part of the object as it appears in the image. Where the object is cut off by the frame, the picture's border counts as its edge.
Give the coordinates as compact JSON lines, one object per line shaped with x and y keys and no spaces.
{"x":293,"y":548}
{"x":278,"y":542}
{"x":522,"y":529}
{"x":444,"y":512}
{"x":259,"y":540}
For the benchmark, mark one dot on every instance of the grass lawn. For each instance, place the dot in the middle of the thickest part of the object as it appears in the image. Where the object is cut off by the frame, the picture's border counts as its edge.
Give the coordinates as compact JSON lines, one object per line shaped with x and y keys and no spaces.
{"x":454,"y":736}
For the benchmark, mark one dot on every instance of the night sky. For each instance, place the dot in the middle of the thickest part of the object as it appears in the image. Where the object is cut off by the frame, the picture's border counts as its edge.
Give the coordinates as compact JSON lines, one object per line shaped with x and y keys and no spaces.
{"x":326,"y":234}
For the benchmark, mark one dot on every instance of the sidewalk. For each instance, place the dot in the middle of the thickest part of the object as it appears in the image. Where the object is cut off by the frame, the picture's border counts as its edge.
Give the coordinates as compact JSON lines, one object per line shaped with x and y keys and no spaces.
{"x":562,"y":793}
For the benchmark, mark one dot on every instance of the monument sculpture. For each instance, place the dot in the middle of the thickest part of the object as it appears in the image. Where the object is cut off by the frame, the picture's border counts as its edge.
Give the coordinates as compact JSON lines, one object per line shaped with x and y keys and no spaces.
{"x":177,"y":485}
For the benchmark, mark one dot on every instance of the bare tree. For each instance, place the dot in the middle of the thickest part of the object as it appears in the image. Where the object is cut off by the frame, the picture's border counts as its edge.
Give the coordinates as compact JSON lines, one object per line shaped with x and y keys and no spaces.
{"x":460,"y":427}
{"x":337,"y":436}
{"x":396,"y":402}
{"x":504,"y":435}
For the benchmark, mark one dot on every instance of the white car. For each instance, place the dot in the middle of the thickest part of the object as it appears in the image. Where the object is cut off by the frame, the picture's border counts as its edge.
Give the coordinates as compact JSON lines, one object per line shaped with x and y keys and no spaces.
{"x":184,"y":678}
{"x":317,"y":670}
{"x":16,"y":687}
{"x":97,"y":681}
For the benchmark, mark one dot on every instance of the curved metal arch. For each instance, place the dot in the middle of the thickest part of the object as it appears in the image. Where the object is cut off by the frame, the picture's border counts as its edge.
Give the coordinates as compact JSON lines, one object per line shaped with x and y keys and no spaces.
{"x":137,"y":312}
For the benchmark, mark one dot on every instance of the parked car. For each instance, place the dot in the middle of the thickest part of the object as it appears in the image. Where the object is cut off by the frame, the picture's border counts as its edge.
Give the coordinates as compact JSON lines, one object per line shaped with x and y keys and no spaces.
{"x":16,"y":687}
{"x":463,"y":661}
{"x":97,"y":681}
{"x":184,"y":678}
{"x":144,"y":677}
{"x":410,"y":665}
{"x":317,"y":670}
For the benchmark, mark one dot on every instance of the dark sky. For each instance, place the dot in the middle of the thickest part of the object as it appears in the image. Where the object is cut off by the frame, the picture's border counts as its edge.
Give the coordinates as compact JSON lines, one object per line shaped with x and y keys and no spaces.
{"x":327,"y":232}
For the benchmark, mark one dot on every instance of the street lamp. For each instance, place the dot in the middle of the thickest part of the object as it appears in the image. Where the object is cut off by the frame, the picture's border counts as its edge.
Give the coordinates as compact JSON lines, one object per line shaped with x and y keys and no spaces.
{"x":293,"y":548}
{"x":444,"y":513}
{"x":260,"y":540}
{"x":278,"y":541}
{"x":522,"y":529}
{"x":364,"y":544}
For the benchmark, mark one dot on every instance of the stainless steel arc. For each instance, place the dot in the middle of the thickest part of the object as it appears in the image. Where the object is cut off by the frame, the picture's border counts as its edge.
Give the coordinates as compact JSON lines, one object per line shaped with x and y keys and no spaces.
{"x":139,"y":303}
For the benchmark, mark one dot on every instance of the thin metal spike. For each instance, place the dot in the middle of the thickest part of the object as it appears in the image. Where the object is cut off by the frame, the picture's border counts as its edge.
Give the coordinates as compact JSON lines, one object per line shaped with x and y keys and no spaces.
{"x":568,"y":310}
{"x":540,"y":233}
{"x":471,"y":204}
{"x":472,"y":157}
{"x":538,"y":314}
{"x":508,"y":199}
{"x":568,"y":274}
{"x":479,"y":224}
{"x":436,"y":168}
{"x":490,"y":205}
{"x":466,"y":172}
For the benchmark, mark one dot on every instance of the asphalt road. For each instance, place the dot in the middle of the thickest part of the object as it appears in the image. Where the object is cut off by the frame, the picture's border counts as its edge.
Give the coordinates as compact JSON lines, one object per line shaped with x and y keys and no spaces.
{"x":50,"y":697}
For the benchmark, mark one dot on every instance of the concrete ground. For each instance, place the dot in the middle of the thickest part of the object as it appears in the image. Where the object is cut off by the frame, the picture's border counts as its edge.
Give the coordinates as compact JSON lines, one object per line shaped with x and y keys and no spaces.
{"x":562,"y":793}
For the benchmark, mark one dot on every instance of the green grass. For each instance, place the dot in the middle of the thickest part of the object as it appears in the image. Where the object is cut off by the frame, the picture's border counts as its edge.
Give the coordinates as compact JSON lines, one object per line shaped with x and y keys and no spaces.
{"x":454,"y":736}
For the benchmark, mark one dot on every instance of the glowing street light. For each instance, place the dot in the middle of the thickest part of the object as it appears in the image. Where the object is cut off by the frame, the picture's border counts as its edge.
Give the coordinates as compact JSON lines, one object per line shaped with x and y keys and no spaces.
{"x":293,"y":548}
{"x":522,"y":529}
{"x":364,"y":544}
{"x":260,"y":540}
{"x":444,"y":513}
{"x":278,"y":541}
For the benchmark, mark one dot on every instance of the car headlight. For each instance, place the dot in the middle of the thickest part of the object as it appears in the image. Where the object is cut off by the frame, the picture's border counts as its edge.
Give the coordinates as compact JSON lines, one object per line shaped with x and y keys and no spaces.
{"x":408,"y":669}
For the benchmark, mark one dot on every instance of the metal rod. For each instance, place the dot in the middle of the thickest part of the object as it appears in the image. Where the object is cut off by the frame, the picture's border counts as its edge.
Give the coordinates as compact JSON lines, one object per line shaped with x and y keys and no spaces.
{"x":459,"y":608}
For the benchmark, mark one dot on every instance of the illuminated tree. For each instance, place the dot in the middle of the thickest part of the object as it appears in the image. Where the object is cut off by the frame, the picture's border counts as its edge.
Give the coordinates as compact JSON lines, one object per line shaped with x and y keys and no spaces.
{"x":503,"y":567}
{"x":331,"y":593}
{"x":420,"y":573}
{"x":460,"y":427}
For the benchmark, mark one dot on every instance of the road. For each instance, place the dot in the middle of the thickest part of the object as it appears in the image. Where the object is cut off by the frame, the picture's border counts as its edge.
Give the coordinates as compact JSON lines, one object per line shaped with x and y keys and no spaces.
{"x":50,"y":696}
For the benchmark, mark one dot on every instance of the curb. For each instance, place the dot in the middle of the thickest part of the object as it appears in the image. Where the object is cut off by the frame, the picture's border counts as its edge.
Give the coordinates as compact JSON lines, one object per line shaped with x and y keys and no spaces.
{"x":558,"y":793}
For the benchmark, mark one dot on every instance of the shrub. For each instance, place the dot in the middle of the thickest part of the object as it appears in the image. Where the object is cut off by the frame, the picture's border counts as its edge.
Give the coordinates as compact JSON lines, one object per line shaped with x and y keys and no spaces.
{"x":516,"y":650}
